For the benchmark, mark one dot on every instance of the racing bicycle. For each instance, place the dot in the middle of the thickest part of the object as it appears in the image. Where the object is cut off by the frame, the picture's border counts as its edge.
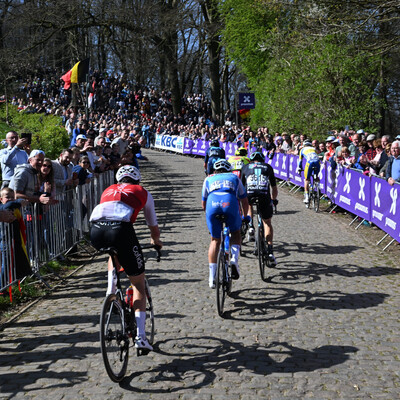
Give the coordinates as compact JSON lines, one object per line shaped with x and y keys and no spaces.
{"x":260,"y":244}
{"x":118,"y":325}
{"x":223,"y":279}
{"x":314,"y":193}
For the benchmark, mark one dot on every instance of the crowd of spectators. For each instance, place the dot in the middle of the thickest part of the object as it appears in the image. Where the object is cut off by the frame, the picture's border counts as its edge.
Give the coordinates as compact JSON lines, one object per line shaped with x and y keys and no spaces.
{"x":120,"y":118}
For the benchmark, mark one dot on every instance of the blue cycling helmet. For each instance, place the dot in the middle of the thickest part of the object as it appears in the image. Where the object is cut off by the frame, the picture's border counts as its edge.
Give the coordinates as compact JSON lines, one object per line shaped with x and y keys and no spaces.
{"x":214,"y":143}
{"x":257,"y":156}
{"x":222,"y":165}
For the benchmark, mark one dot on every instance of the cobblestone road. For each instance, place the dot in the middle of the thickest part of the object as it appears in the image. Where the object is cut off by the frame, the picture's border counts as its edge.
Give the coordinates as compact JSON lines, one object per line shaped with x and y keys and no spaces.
{"x":324,"y":326}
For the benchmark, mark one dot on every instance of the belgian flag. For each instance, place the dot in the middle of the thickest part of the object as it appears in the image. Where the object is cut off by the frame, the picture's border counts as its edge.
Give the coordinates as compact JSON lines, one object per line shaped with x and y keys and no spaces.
{"x":76,"y":74}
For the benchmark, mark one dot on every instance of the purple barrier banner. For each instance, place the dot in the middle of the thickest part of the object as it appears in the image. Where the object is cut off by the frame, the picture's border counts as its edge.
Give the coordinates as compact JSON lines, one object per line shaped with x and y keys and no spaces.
{"x":293,"y":176}
{"x":353,"y":192}
{"x":280,"y":165}
{"x":199,"y":147}
{"x":385,"y":207}
{"x":322,"y":178}
{"x":331,"y":181}
{"x":229,"y":148}
{"x":187,"y":149}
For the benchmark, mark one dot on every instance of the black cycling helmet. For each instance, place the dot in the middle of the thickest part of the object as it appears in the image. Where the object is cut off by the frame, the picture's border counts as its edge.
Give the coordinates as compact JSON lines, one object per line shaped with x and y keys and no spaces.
{"x":257,"y":156}
{"x":214,"y":143}
{"x":222,"y":165}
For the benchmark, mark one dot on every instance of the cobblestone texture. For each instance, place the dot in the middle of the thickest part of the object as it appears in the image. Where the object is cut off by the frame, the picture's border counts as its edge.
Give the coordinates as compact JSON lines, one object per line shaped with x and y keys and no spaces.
{"x":324,"y":326}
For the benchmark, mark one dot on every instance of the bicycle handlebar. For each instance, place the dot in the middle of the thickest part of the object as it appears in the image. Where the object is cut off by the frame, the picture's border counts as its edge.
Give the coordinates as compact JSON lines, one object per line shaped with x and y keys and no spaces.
{"x":156,"y":247}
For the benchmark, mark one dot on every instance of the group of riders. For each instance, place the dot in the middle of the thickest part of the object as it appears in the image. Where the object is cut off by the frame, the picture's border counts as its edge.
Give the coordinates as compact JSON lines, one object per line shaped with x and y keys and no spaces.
{"x":231,"y":188}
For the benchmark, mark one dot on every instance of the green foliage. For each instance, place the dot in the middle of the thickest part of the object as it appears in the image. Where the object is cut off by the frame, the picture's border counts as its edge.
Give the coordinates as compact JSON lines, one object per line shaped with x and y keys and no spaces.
{"x":29,"y":291}
{"x":302,"y":82}
{"x":48,"y":134}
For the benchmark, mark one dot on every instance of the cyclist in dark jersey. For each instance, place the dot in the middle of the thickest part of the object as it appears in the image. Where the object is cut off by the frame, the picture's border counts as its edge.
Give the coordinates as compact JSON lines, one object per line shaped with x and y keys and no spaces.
{"x":259,"y":179}
{"x":112,"y":226}
{"x":214,"y":153}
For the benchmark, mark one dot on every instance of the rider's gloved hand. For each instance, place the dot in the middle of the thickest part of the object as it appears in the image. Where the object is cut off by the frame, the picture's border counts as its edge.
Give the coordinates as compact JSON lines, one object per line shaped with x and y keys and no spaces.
{"x":275,"y":202}
{"x":298,"y":170}
{"x":246,"y":219}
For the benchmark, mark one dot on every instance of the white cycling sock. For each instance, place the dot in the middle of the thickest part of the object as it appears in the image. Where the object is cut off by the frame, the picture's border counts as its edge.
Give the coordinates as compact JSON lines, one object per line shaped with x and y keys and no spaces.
{"x":213,"y":269}
{"x":112,"y":282}
{"x":235,"y":250}
{"x":140,"y":317}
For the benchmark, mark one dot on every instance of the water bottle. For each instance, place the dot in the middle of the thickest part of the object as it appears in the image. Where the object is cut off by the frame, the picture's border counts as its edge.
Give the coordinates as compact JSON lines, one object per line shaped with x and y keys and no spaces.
{"x":129,"y":297}
{"x":226,"y":244}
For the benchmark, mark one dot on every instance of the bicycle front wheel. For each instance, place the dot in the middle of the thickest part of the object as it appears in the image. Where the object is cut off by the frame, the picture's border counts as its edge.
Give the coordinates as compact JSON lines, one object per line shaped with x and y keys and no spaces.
{"x":149,"y":314}
{"x":114,"y":339}
{"x":262,"y":256}
{"x":220,"y":283}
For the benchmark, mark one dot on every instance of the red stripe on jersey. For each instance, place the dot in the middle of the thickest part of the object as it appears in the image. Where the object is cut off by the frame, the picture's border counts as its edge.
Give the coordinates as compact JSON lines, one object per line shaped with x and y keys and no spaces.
{"x":134,"y":196}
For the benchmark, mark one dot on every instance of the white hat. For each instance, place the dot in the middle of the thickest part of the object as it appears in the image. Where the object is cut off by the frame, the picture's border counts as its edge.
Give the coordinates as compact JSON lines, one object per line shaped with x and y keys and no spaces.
{"x":360,"y":131}
{"x":370,"y":137}
{"x":83,"y":137}
{"x":34,"y":153}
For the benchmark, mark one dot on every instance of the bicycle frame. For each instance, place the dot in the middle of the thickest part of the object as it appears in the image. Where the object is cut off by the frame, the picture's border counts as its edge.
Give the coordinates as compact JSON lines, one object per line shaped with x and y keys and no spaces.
{"x":223,"y":277}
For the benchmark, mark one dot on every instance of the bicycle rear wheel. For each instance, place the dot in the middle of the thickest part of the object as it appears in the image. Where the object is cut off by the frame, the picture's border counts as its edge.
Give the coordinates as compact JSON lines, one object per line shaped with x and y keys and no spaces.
{"x":262,"y":256}
{"x":149,"y":315}
{"x":114,"y":339}
{"x":220,"y":283}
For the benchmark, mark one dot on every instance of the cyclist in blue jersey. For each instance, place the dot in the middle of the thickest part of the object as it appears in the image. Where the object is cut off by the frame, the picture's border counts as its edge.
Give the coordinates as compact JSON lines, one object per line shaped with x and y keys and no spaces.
{"x":221,"y":194}
{"x":214,"y":152}
{"x":312,"y":165}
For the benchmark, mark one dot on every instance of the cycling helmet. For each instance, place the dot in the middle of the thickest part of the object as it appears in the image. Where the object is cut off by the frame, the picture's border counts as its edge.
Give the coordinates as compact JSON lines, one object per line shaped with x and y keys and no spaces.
{"x":257,"y":156}
{"x":214,"y":143}
{"x":128,"y":171}
{"x":242,"y":151}
{"x":307,"y":143}
{"x":222,"y":165}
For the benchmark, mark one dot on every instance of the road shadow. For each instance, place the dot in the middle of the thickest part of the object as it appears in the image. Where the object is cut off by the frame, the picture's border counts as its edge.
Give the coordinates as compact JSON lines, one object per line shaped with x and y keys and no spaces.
{"x":203,"y":358}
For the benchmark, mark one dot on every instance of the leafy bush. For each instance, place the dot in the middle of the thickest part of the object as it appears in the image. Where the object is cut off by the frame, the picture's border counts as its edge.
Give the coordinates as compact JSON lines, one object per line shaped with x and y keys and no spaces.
{"x":48,"y":134}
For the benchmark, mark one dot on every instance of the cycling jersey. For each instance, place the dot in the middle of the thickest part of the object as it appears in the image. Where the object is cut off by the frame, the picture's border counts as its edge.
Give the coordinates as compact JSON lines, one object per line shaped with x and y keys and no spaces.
{"x":112,"y":221}
{"x":212,"y":155}
{"x":122,"y":202}
{"x":237,"y":163}
{"x":312,"y":161}
{"x":257,"y":178}
{"x":221,"y":193}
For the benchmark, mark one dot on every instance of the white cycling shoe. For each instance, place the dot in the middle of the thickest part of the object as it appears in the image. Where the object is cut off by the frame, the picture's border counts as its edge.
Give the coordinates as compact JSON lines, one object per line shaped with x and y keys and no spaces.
{"x":272,"y":260}
{"x":142,"y":343}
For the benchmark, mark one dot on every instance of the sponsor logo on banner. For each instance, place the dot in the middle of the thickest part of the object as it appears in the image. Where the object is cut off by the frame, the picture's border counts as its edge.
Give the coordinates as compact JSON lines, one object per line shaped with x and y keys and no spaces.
{"x":173,"y":143}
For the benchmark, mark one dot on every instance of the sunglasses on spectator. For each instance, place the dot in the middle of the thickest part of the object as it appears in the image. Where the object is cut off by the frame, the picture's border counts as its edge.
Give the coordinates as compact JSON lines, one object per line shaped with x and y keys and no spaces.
{"x":46,"y":165}
{"x":84,"y":162}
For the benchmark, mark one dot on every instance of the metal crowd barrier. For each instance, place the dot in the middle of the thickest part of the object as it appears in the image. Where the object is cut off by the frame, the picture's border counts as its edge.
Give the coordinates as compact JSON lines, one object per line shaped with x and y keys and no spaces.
{"x":52,"y":230}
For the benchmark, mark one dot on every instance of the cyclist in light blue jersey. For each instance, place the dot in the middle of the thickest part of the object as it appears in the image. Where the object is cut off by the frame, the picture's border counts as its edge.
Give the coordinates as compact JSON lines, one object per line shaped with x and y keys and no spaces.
{"x":221,"y":194}
{"x":312,"y":165}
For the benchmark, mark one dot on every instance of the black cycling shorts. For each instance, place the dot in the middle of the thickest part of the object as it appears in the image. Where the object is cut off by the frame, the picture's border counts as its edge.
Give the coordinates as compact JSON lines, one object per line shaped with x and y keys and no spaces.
{"x":264,"y":205}
{"x":122,"y":236}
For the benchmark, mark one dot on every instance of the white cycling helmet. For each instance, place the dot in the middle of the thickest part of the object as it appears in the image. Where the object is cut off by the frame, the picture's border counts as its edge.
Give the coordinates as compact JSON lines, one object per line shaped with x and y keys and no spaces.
{"x":222,"y":165}
{"x":130,"y":171}
{"x":307,"y":143}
